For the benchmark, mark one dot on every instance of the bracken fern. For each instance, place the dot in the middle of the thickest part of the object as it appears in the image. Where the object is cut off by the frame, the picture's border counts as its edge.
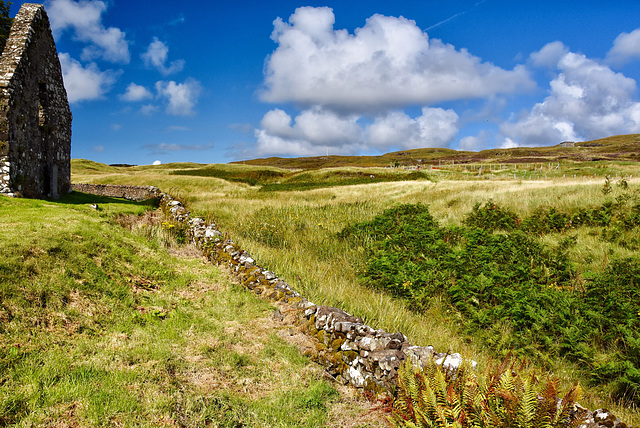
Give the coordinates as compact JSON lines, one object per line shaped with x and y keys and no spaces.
{"x":498,"y":397}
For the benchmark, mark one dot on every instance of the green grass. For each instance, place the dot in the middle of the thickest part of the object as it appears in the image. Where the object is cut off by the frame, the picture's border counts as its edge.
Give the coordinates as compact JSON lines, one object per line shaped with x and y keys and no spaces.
{"x":104,"y":325}
{"x":294,"y":234}
{"x":252,"y":175}
{"x":279,"y":180}
{"x":309,"y":180}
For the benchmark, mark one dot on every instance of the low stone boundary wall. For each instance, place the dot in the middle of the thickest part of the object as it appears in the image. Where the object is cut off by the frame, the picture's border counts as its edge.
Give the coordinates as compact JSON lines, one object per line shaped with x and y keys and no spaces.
{"x":351,"y":351}
{"x":133,"y":193}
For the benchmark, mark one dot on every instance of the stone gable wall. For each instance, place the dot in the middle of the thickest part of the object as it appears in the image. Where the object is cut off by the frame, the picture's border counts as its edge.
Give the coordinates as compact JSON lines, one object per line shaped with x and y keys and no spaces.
{"x":35,"y":118}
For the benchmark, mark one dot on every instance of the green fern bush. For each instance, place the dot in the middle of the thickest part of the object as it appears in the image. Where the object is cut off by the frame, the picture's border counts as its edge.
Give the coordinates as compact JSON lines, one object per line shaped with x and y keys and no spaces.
{"x":499,"y":397}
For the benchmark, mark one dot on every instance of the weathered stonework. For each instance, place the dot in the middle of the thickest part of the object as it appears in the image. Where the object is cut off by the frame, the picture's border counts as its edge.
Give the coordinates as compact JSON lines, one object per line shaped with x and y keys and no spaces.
{"x":35,"y":118}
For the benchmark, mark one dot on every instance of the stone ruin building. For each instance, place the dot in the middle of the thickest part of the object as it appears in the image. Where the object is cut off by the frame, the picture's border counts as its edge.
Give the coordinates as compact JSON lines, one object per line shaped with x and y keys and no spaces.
{"x":35,"y":118}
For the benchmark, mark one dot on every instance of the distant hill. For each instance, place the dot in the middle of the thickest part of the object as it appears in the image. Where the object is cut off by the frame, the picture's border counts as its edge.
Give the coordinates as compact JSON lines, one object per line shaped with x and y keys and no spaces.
{"x":618,"y":148}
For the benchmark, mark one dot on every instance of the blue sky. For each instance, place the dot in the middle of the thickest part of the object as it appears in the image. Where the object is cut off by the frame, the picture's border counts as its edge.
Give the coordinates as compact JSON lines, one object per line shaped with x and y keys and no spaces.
{"x":212,"y":81}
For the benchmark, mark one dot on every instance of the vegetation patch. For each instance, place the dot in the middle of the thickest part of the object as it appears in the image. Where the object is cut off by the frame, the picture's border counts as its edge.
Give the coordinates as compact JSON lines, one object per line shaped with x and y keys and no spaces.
{"x":498,"y":396}
{"x":330,"y":178}
{"x":252,"y":177}
{"x":324,"y":269}
{"x":512,"y":290}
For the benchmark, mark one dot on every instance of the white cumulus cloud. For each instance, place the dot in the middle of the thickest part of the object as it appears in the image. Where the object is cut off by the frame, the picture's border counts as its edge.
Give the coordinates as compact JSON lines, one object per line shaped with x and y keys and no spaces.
{"x":316,"y":131}
{"x":436,"y":127}
{"x":549,"y":55}
{"x":148,"y":109}
{"x":181,"y":98}
{"x":484,"y":139}
{"x":136,"y":93}
{"x":85,"y":19}
{"x":312,"y":133}
{"x":587,"y":100}
{"x":85,"y":82}
{"x":156,"y":57}
{"x":626,"y":47}
{"x":388,"y":63}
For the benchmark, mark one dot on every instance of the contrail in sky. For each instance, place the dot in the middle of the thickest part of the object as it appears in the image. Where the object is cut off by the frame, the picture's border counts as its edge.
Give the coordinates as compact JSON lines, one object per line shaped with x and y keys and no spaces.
{"x":451,"y":18}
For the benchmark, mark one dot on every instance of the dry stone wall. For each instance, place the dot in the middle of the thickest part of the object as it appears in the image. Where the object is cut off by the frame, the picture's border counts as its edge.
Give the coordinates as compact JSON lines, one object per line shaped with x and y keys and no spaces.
{"x":133,"y":193}
{"x":35,"y":118}
{"x":351,"y":351}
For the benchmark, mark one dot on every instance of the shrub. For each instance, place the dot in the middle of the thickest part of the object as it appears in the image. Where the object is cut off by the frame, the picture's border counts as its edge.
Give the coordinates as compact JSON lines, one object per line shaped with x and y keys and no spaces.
{"x":491,"y":216}
{"x":614,"y":298}
{"x":510,"y":281}
{"x":546,"y":220}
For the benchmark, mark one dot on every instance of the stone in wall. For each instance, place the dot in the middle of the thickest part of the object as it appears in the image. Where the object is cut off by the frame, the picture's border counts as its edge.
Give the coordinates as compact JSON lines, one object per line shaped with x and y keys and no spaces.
{"x":35,"y":118}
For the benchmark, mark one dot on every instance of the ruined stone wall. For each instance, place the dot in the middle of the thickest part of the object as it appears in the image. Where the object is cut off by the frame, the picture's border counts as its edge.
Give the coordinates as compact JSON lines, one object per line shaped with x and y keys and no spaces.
{"x":35,"y":118}
{"x":134,"y":193}
{"x":352,"y":352}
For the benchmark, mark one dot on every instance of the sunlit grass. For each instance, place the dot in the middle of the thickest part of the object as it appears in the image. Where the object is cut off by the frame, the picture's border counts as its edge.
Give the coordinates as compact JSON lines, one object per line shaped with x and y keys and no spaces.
{"x":101,"y":325}
{"x":293,"y":234}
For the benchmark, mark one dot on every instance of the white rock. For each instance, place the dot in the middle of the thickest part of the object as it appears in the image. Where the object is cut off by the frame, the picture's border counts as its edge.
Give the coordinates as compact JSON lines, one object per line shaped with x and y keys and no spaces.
{"x":453,"y":361}
{"x":210,"y":233}
{"x":246,"y":259}
{"x":357,"y":378}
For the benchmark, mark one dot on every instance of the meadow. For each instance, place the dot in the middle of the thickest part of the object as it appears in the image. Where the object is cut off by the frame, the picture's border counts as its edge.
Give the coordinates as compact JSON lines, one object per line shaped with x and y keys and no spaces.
{"x":106,"y":321}
{"x":303,"y":236}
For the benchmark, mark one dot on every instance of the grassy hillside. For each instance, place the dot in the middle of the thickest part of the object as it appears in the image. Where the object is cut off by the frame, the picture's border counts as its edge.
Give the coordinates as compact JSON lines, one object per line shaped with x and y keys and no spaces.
{"x":105,"y":321}
{"x":294,"y":232}
{"x":616,"y":148}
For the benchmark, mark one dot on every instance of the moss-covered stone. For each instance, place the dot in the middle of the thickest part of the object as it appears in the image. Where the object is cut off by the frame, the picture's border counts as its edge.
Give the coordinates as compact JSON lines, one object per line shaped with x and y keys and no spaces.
{"x":339,"y":335}
{"x":295,"y":300}
{"x":264,"y":281}
{"x":320,"y":347}
{"x":337,"y":343}
{"x":276,"y":295}
{"x":249,"y":279}
{"x":349,"y":356}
